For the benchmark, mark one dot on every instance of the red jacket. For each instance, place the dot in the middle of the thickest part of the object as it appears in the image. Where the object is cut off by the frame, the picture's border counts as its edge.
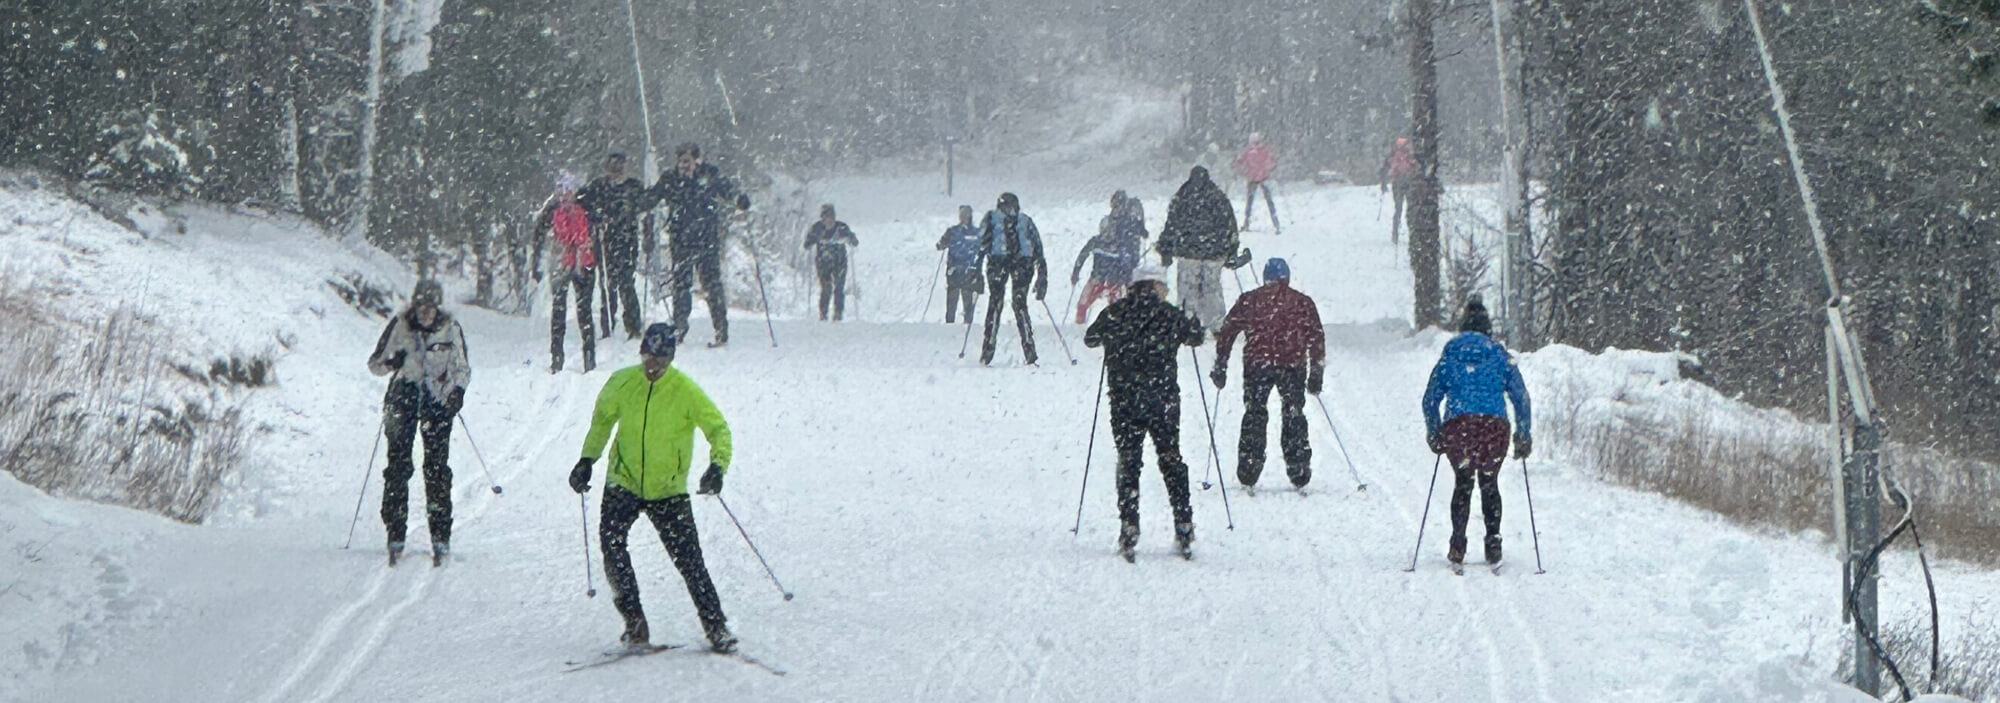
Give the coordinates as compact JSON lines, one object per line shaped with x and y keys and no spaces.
{"x":1280,"y":325}
{"x":1256,"y":162}
{"x":572,"y":228}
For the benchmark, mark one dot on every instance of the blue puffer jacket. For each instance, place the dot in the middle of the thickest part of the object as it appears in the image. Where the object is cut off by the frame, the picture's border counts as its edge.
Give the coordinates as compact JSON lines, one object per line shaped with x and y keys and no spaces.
{"x":1476,"y":376}
{"x":1027,"y":239}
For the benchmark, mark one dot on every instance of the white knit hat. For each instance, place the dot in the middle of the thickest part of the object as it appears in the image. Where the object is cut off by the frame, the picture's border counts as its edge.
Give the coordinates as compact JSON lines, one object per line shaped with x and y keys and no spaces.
{"x":1149,"y":272}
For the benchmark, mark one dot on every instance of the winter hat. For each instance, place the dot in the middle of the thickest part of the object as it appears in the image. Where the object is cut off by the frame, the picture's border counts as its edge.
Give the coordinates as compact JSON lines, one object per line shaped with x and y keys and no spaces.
{"x":825,"y":209}
{"x":1276,"y":269}
{"x":1148,"y":272}
{"x":1198,"y":174}
{"x":1476,"y":319}
{"x":1008,"y":200}
{"x":428,"y":292}
{"x":659,"y":340}
{"x":565,"y":181}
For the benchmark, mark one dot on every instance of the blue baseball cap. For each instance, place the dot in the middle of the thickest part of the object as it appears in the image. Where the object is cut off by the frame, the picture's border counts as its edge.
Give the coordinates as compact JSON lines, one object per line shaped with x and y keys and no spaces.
{"x":1276,"y":269}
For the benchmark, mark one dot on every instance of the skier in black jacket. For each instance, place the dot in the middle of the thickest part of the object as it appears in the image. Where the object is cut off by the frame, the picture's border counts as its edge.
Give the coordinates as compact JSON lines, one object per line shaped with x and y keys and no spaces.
{"x":1142,"y":334}
{"x":828,"y":239}
{"x":1201,"y":232}
{"x":614,"y":202}
{"x":1014,"y":253}
{"x":696,"y":195}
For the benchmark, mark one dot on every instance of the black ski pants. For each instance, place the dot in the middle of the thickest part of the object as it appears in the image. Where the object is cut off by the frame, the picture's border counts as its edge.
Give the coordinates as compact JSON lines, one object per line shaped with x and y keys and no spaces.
{"x":1135,"y":417}
{"x":705,"y":261}
{"x":582,"y":280}
{"x":1000,"y":270}
{"x":832,"y":287}
{"x":1475,"y":445}
{"x":1290,"y":382}
{"x":621,"y":263}
{"x":408,"y":411}
{"x":961,"y":290}
{"x":1270,"y":203}
{"x":673,"y":517}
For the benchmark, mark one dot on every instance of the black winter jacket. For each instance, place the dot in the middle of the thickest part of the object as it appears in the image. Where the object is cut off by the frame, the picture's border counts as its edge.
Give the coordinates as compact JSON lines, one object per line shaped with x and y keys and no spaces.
{"x":1201,"y":224}
{"x":1142,"y":336}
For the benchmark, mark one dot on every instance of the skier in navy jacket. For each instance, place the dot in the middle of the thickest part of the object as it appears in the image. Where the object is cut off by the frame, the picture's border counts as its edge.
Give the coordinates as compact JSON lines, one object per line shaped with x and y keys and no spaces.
{"x":1475,"y":380}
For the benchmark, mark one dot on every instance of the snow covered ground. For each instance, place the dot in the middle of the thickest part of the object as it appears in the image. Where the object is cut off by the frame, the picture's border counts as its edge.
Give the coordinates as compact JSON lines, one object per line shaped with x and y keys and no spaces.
{"x":918,"y":504}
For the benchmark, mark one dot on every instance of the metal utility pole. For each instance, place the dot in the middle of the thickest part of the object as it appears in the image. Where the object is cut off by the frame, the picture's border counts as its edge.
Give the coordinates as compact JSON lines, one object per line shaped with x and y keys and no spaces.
{"x":1516,"y":301}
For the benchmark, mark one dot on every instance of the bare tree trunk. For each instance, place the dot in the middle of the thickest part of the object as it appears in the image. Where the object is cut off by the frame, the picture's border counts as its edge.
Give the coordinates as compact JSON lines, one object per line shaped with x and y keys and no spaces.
{"x":1426,"y":190}
{"x":365,"y":192}
{"x":1517,"y":302}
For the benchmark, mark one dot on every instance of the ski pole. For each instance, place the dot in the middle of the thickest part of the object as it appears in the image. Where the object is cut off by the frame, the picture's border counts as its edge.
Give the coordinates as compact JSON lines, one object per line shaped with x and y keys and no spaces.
{"x":1427,"y":513}
{"x":1071,"y":304}
{"x":1059,"y":334}
{"x":933,"y":294}
{"x":583,"y":515}
{"x":364,"y":490}
{"x":1359,"y":484}
{"x":1095,"y":404}
{"x":1532,"y":530}
{"x":967,"y":339}
{"x":758,"y":266}
{"x":1212,"y":414}
{"x":753,"y":547}
{"x":476,"y":454}
{"x":1212,"y":451}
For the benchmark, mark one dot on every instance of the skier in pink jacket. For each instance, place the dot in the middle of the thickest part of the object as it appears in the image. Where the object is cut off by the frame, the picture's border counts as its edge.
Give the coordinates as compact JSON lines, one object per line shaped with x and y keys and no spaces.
{"x":1255,"y":165}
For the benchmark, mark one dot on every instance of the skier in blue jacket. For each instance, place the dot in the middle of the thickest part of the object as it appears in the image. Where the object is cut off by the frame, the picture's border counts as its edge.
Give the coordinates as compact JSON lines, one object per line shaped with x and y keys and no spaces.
{"x":961,"y":279}
{"x":1475,"y":380}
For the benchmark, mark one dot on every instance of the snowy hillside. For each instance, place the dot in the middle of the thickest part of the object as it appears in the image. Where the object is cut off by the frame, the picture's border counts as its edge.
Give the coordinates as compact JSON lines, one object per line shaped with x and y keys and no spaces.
{"x":918,"y":504}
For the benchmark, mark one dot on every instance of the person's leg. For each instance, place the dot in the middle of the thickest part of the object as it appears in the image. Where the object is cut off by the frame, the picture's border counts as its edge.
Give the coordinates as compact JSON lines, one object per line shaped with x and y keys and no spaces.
{"x":620,"y":508}
{"x":1257,"y":382}
{"x":1489,"y":453}
{"x":952,"y":289}
{"x":1211,"y":303}
{"x":825,"y":275}
{"x":1249,"y":203}
{"x":996,"y":282}
{"x":1083,"y":302}
{"x":1292,"y":436}
{"x":437,"y":478}
{"x":1165,"y":428}
{"x":558,"y":317}
{"x":683,"y":291}
{"x":839,"y":291}
{"x":1458,"y":449}
{"x":584,"y":282}
{"x":969,"y":297}
{"x":1187,"y":282}
{"x":611,"y":265}
{"x":399,"y":424}
{"x":674,"y":518}
{"x":1023,"y":275}
{"x":712,"y":290}
{"x":1271,"y":204}
{"x":628,"y":289}
{"x":1129,"y":436}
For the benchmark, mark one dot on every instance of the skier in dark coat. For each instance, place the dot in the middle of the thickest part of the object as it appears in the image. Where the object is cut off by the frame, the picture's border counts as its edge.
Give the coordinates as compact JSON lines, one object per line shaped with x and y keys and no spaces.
{"x":1113,"y":254}
{"x":1013,"y":253}
{"x":614,"y":202}
{"x":1201,"y":232}
{"x":422,"y":350}
{"x":1475,"y":380}
{"x":565,"y":220}
{"x":1141,"y":335}
{"x":697,"y":196}
{"x":828,"y":239}
{"x":1284,"y":348}
{"x":962,"y":281}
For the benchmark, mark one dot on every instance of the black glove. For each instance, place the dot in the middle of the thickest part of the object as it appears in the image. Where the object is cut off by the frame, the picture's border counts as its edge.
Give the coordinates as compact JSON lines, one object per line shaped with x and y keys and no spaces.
{"x":538,"y":275}
{"x":1220,"y":374}
{"x":454,"y":402}
{"x":1436,"y":440}
{"x":1315,"y":379}
{"x":1523,"y":445}
{"x":742,"y":202}
{"x":1166,"y":260}
{"x":396,"y":362}
{"x":1041,"y":288}
{"x":711,"y":480}
{"x":579,"y":477}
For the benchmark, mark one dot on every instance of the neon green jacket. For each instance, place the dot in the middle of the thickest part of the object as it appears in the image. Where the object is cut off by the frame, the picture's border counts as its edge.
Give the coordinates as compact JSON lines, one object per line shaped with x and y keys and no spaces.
{"x":656,"y":422}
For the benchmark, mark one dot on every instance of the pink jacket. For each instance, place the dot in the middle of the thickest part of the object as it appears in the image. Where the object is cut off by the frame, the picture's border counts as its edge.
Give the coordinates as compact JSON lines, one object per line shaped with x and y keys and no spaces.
{"x":1256,"y":162}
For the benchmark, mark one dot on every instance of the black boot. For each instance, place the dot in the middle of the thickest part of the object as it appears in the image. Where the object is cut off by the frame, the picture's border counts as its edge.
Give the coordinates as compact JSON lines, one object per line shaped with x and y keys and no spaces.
{"x":1456,"y":553}
{"x":1184,"y":539}
{"x":636,"y":633}
{"x":1493,"y":549}
{"x":719,"y":638}
{"x":1128,"y":539}
{"x":395,"y":551}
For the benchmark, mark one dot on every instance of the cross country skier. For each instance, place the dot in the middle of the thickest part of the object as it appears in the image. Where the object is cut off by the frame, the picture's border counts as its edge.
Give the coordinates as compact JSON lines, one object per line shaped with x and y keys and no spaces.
{"x":614,"y":202}
{"x":1201,"y":232}
{"x":696,"y":195}
{"x":422,"y":350}
{"x":1141,"y":334}
{"x":656,"y":409}
{"x":567,"y":220}
{"x":1013,"y":253}
{"x":829,"y":239}
{"x":1475,"y":379}
{"x":1255,"y":165}
{"x":1113,"y":253}
{"x":962,"y":281}
{"x":1284,"y":347}
{"x":1398,"y":173}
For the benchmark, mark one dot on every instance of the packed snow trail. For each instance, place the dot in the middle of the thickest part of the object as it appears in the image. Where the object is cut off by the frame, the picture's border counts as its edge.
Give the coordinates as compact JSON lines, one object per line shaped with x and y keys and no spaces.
{"x":920,"y":505}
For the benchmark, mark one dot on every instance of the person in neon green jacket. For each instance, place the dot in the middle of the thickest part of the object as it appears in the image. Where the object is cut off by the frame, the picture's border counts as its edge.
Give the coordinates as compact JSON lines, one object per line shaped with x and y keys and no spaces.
{"x":656,"y":410}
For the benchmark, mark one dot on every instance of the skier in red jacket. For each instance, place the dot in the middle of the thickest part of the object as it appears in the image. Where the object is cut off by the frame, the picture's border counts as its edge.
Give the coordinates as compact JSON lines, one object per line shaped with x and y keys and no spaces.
{"x":1399,"y":172}
{"x":1255,"y":165}
{"x":565,"y":218}
{"x":1284,"y":348}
